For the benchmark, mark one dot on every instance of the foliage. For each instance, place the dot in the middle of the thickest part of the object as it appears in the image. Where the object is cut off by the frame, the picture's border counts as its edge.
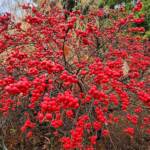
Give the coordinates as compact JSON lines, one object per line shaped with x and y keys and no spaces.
{"x":84,"y":82}
{"x":146,"y":12}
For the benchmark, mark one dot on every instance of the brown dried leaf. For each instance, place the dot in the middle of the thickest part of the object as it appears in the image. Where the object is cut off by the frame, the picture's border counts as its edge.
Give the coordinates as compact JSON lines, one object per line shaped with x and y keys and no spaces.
{"x":125,"y":68}
{"x":25,"y":26}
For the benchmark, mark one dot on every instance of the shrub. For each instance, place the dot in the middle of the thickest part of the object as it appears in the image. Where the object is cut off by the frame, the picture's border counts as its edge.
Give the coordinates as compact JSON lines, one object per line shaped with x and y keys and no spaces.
{"x":75,"y":81}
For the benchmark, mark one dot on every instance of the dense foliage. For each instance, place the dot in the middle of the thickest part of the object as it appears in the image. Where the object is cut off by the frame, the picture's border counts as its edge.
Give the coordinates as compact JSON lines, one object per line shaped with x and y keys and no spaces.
{"x":76,"y":80}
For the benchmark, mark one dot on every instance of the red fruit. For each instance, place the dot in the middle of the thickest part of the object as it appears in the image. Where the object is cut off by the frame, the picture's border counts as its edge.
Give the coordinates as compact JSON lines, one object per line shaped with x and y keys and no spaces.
{"x":48,"y":116}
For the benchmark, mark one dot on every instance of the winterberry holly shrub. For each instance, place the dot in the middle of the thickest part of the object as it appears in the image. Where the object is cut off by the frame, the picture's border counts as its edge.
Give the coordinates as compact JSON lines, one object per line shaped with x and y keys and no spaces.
{"x":76,"y":80}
